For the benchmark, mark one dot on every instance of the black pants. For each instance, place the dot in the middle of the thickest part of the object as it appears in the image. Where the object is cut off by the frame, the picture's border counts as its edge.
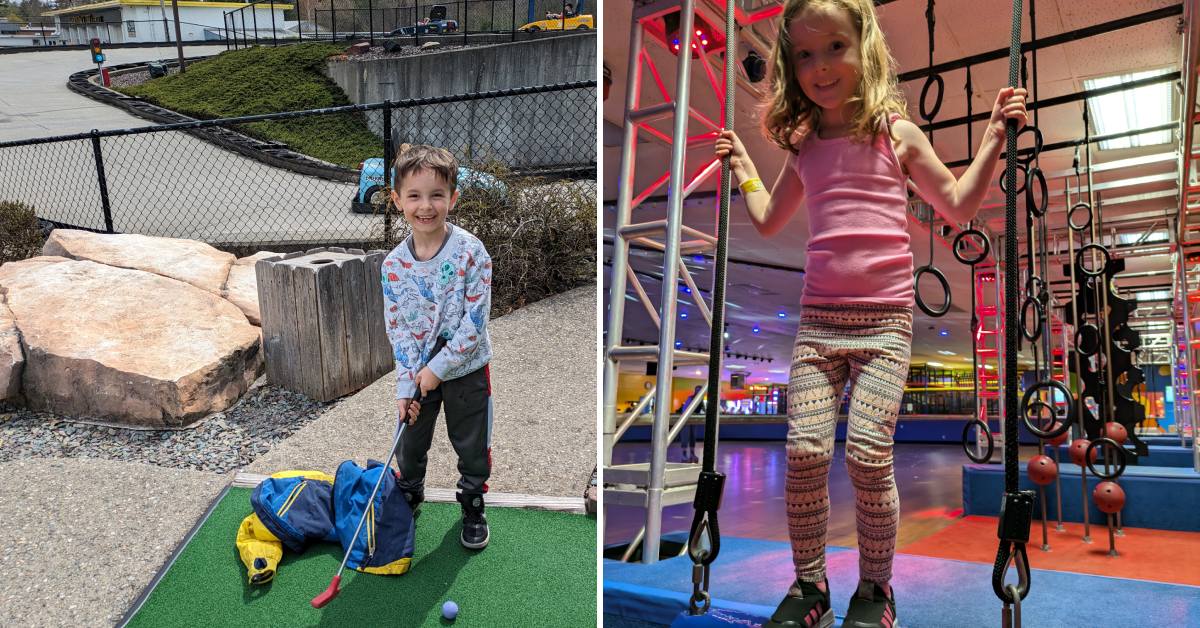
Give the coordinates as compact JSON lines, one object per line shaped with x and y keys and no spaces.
{"x":468,"y":403}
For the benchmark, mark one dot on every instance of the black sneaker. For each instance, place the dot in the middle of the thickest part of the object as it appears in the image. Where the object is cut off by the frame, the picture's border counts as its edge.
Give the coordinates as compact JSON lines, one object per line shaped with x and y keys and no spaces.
{"x":805,"y":606}
{"x":474,"y":524}
{"x":871,"y":608}
{"x":415,"y":498}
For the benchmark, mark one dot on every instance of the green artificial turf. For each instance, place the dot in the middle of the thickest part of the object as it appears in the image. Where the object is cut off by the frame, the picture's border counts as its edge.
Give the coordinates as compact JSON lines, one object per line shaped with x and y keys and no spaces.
{"x":538,"y":570}
{"x":265,"y":79}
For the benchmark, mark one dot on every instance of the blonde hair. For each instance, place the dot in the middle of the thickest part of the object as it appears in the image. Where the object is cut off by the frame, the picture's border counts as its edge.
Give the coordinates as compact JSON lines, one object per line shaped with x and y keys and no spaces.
{"x":877,"y":94}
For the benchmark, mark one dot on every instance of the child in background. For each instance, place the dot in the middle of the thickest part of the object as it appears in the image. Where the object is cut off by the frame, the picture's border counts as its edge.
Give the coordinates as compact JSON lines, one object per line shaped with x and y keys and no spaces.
{"x":836,"y":107}
{"x":437,"y":287}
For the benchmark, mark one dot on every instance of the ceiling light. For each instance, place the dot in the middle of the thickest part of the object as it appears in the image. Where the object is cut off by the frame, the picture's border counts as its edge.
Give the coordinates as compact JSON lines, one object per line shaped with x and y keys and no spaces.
{"x":935,"y":364}
{"x":944,"y":352}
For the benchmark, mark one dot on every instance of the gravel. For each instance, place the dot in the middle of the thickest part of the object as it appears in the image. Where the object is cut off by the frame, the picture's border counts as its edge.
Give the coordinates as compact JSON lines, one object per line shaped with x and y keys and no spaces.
{"x":130,"y":79}
{"x":377,"y":52}
{"x":225,"y":441}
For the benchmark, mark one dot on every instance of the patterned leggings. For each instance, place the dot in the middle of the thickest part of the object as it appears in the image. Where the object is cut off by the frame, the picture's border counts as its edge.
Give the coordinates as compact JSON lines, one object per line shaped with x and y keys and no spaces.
{"x":870,"y":345}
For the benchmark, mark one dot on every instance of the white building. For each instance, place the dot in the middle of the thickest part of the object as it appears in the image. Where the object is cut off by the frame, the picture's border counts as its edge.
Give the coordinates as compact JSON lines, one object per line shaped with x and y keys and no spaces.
{"x":13,"y":34}
{"x":129,"y":21}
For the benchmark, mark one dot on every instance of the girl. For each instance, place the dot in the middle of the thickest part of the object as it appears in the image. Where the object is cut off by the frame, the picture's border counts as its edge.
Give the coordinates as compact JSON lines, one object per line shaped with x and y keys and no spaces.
{"x":835,"y":105}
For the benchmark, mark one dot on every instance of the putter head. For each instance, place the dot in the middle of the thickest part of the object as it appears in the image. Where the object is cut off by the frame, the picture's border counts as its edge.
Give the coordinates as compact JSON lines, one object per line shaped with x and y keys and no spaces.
{"x":328,"y":595}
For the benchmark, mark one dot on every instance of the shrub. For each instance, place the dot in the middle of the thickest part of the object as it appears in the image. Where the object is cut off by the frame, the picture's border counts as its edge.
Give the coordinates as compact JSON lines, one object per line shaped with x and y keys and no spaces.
{"x":20,"y":235}
{"x":541,"y":234}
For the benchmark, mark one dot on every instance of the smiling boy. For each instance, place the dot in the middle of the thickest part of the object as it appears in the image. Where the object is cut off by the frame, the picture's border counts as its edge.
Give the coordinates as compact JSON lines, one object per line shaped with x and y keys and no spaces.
{"x":437,"y":287}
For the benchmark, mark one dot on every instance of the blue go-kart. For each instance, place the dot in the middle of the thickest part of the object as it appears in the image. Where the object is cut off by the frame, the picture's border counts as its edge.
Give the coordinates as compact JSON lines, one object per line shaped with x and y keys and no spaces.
{"x":371,"y":188}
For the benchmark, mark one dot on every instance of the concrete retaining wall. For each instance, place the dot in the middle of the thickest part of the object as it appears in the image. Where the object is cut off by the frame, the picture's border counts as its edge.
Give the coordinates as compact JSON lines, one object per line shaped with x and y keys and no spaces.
{"x":531,"y":131}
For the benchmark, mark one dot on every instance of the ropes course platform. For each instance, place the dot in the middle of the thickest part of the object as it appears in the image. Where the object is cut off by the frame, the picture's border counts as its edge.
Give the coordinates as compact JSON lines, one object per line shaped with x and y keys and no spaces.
{"x":931,"y":592}
{"x":1162,"y":498}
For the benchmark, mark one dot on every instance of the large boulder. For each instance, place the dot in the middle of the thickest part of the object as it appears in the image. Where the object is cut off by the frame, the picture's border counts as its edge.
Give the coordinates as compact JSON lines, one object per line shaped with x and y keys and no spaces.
{"x":12,"y":358}
{"x":127,"y":345}
{"x":186,"y":260}
{"x":242,"y":286}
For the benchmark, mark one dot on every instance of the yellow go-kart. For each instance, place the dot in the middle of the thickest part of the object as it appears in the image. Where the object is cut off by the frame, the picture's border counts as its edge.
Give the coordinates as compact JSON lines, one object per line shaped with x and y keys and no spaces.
{"x":578,"y":22}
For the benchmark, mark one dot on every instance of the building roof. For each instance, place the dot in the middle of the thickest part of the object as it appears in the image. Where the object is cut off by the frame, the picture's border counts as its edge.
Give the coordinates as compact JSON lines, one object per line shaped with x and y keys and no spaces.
{"x":112,"y":4}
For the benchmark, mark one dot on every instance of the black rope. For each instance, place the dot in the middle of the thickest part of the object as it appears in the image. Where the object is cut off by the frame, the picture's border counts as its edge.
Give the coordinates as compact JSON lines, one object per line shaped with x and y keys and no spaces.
{"x":710,"y":483}
{"x":1016,"y":514}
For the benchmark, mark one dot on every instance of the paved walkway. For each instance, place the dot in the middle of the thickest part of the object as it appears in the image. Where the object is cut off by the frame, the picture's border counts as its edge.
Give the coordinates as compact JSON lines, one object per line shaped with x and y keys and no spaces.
{"x":82,"y":538}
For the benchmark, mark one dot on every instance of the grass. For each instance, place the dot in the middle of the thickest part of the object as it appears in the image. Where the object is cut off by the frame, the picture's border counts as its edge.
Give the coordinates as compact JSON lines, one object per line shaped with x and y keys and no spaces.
{"x":538,"y":570}
{"x":264,"y":80}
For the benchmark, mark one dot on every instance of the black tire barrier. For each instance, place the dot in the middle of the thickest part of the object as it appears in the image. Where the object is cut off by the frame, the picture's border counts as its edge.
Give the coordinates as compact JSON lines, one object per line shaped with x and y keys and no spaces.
{"x":933,"y":79}
{"x":991,"y":442}
{"x":1087,"y":340}
{"x":1036,"y":179}
{"x":1071,"y":217}
{"x":1064,"y":422}
{"x":1024,"y":179}
{"x":937,"y":274}
{"x":1039,"y":318}
{"x":1095,"y":272}
{"x":1037,"y":145}
{"x":1120,"y":461}
{"x":986,"y":246}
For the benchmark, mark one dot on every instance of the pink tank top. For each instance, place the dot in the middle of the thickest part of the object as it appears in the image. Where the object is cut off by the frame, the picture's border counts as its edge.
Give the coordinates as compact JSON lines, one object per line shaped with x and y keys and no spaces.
{"x":858,"y":250}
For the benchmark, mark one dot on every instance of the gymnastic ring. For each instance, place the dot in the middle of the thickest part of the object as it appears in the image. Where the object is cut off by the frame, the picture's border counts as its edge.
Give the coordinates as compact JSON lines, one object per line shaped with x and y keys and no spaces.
{"x":928,"y":116}
{"x":937,"y":274}
{"x":961,"y":237}
{"x":1039,"y":179}
{"x":1024,"y":178}
{"x":1040,"y":318}
{"x":1079,"y":260}
{"x":1071,"y":216}
{"x":1091,"y":340}
{"x":991,"y":442}
{"x":1037,"y":144}
{"x":1064,"y":423}
{"x":1087,"y":458}
{"x":1039,"y":282}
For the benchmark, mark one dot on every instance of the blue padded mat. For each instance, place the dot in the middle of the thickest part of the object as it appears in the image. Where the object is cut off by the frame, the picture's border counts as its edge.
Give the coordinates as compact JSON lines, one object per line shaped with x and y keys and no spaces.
{"x":1160,"y":455}
{"x":751,"y":576}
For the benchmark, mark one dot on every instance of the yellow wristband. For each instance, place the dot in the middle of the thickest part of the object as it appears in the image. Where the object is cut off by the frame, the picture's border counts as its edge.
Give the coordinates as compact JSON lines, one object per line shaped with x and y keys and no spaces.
{"x":752,"y":185}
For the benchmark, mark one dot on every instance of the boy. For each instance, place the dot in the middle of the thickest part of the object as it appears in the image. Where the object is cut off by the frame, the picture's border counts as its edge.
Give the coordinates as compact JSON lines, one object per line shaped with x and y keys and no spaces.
{"x":437,"y":296}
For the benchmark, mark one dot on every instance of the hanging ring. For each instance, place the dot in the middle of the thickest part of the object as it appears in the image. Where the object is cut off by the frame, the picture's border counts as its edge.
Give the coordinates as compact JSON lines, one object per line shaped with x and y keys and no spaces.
{"x":1071,"y":216}
{"x":937,"y":274}
{"x":1039,"y":318}
{"x":1064,"y":420}
{"x":1119,"y":462}
{"x":1094,"y":272}
{"x":1037,"y":144}
{"x":1024,"y":178}
{"x":1036,"y":179}
{"x":984,"y":244}
{"x":933,"y":79}
{"x":966,"y":443}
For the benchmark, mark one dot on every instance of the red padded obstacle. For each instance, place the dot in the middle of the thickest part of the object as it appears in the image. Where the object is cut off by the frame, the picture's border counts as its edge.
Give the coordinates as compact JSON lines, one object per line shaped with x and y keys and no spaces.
{"x":1109,"y":497}
{"x":1061,"y":438}
{"x":1042,"y":470}
{"x":1116,"y":431}
{"x":1078,"y":448}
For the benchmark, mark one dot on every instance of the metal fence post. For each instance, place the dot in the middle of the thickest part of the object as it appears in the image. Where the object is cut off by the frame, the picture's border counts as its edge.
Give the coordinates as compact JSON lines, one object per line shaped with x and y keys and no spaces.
{"x":466,"y":25}
{"x":371,"y":21}
{"x":333,"y":20}
{"x":387,"y":168}
{"x":243,"y":27}
{"x":514,"y":21}
{"x":108,"y":224}
{"x":254,"y":17}
{"x":273,"y":41}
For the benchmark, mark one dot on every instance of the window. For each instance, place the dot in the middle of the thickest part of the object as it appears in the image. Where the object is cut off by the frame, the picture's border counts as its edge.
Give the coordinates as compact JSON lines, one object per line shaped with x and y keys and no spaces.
{"x":1146,"y":106}
{"x":130,"y":28}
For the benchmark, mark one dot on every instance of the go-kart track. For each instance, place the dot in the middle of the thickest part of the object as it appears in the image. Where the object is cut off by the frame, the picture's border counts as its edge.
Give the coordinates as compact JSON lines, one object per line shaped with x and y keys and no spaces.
{"x":164,"y":184}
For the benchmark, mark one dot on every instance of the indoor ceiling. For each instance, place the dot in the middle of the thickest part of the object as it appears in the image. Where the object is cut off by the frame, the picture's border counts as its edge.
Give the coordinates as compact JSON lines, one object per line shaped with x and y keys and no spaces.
{"x":1137,"y":187}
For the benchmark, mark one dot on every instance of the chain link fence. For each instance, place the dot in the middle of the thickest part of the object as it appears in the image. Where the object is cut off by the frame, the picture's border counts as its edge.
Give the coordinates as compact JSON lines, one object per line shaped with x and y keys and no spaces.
{"x":302,"y":187}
